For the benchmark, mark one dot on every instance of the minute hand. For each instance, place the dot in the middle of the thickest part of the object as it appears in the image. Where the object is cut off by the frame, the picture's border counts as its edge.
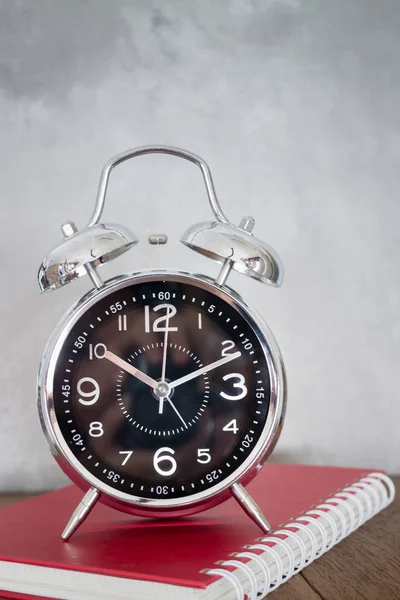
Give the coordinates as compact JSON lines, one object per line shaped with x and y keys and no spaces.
{"x":194,"y":374}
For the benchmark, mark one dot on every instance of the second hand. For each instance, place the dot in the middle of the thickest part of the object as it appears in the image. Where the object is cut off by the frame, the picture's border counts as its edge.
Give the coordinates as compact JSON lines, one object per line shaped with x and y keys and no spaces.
{"x":164,"y":362}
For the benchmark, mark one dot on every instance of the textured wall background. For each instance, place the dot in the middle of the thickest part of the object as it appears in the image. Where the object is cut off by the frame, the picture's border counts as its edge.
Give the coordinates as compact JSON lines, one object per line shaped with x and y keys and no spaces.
{"x":296,"y":106}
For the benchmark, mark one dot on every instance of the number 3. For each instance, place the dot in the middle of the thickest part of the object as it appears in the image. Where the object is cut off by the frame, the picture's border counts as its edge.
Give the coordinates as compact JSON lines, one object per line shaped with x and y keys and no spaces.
{"x":240,"y":384}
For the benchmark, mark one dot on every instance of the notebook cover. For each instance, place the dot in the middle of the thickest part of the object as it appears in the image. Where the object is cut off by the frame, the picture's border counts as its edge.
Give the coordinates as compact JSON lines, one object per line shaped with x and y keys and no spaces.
{"x":174,"y":551}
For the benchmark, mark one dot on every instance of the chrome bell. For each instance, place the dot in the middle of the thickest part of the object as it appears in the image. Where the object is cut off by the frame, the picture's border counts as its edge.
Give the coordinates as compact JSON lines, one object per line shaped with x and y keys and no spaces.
{"x":237,"y":247}
{"x":81,"y":252}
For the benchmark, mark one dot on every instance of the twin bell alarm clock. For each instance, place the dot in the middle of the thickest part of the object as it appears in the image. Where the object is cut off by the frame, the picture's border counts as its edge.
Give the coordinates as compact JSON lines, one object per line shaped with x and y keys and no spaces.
{"x":161,"y":393}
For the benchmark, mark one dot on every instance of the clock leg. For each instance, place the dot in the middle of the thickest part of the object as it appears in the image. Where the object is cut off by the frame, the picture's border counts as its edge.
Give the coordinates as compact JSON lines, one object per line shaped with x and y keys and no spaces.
{"x":250,"y":507}
{"x":80,"y":513}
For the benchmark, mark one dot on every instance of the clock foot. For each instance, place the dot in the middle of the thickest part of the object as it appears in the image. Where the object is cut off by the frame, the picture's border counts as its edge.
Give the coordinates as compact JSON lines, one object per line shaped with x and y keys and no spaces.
{"x":250,"y":507}
{"x":80,"y":513}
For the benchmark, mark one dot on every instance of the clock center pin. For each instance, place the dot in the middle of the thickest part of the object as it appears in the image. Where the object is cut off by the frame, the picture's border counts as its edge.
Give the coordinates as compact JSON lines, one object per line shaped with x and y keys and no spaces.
{"x":162,"y":389}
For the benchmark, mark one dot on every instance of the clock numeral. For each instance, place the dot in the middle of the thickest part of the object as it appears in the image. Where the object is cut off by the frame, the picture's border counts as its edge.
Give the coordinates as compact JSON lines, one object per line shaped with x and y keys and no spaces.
{"x":248,"y":439}
{"x":203,"y":456}
{"x":231,"y":426}
{"x":162,"y":456}
{"x":80,"y":341}
{"x":77,"y":438}
{"x":199,"y":320}
{"x":114,"y":308}
{"x":240,"y":384}
{"x":66,"y":390}
{"x":213,"y":476}
{"x":247,"y":345}
{"x":228,"y":346}
{"x":96,"y":429}
{"x":122,"y":323}
{"x":164,"y":295}
{"x":127,"y":457}
{"x":92,"y":395}
{"x":115,"y":477}
{"x":97,"y":351}
{"x":170,"y":312}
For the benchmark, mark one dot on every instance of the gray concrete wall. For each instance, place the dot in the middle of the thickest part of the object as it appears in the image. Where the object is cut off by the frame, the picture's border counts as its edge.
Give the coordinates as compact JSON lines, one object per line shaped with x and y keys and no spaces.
{"x":295,"y":104}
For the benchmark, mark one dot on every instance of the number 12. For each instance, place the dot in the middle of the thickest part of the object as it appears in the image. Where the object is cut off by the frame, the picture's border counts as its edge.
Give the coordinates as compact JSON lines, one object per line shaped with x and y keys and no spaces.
{"x":170,"y":312}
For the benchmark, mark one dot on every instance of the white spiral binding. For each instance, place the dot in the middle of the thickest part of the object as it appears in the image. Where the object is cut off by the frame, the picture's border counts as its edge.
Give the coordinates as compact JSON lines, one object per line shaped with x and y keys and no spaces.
{"x":252,"y":578}
{"x":330,"y":504}
{"x":265,"y":571}
{"x":290,"y":554}
{"x":317,"y":530}
{"x":324,"y":537}
{"x":276,"y":558}
{"x":359,"y":488}
{"x":301,"y":545}
{"x":311,"y":536}
{"x":358,"y":510}
{"x":232,"y":579}
{"x":349,"y":512}
{"x":331,"y":522}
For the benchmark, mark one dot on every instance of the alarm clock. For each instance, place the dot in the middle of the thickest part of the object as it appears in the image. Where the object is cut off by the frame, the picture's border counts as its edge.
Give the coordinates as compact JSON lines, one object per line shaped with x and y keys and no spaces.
{"x":161,"y":392}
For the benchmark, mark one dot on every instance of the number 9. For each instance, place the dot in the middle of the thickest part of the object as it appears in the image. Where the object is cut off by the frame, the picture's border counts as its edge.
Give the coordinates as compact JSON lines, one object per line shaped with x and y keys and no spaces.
{"x":93,"y":395}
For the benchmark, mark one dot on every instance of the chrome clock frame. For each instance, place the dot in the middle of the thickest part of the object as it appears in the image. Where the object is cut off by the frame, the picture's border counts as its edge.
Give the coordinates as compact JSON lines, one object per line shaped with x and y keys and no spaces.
{"x":162,"y":507}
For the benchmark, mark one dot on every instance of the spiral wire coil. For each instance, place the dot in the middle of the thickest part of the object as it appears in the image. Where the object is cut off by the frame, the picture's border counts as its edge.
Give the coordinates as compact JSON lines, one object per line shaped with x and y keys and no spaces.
{"x":264,"y":566}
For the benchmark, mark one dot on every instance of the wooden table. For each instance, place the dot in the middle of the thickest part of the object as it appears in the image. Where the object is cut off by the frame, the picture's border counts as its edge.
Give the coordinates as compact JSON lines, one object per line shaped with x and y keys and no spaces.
{"x":364,"y":566}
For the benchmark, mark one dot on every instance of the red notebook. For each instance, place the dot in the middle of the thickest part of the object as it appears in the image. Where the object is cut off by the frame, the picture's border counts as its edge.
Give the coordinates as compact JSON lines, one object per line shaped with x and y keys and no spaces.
{"x":114,"y":555}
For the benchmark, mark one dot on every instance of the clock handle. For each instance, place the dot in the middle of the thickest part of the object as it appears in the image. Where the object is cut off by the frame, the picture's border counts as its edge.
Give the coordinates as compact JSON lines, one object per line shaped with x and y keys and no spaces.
{"x":132,"y":153}
{"x":233,"y":246}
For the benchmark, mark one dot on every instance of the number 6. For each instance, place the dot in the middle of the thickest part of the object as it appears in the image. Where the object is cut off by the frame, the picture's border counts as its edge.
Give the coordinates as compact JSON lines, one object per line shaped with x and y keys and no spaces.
{"x":159,"y":458}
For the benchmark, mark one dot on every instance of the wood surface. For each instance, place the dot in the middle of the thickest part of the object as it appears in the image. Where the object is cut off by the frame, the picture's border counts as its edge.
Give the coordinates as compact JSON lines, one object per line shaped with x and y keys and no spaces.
{"x":364,"y":566}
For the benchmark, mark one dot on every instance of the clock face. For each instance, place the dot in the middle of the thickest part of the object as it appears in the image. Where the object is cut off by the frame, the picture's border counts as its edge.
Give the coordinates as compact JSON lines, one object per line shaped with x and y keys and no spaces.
{"x":161,"y":388}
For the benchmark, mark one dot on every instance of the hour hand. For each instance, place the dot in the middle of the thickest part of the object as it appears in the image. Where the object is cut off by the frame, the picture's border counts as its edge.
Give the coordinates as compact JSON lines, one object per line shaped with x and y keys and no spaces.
{"x":214,"y":365}
{"x":123,"y":364}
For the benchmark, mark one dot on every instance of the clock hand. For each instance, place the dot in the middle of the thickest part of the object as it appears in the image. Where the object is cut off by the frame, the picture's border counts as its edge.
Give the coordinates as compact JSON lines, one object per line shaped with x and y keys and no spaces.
{"x":164,"y":362}
{"x":122,"y":364}
{"x":161,"y":404}
{"x":175,"y":409}
{"x":214,"y":365}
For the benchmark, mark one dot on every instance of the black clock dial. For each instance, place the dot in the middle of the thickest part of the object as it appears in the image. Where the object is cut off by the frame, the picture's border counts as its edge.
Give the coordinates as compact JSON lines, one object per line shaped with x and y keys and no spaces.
{"x":162,"y":389}
{"x":134,"y":396}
